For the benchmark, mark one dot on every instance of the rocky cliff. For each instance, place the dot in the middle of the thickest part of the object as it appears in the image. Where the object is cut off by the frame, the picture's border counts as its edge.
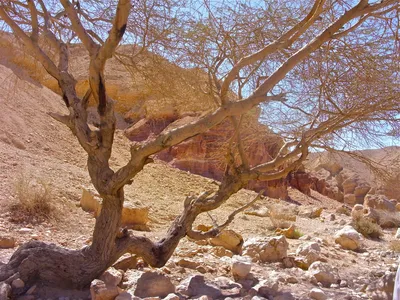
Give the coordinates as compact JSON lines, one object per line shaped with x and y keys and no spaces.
{"x":348,"y":180}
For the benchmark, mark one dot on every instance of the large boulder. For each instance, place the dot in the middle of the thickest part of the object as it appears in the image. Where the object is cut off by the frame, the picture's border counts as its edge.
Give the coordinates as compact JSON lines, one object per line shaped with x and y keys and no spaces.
{"x":133,"y":214}
{"x":323,"y":273}
{"x":266,"y":249}
{"x":379,"y":202}
{"x":197,"y":286}
{"x":266,"y":288}
{"x":348,"y":238}
{"x":111,"y":277}
{"x":317,"y":294}
{"x":305,"y":248}
{"x":369,"y":213}
{"x":230,"y":240}
{"x":307,"y":254}
{"x":89,"y":203}
{"x":148,"y":284}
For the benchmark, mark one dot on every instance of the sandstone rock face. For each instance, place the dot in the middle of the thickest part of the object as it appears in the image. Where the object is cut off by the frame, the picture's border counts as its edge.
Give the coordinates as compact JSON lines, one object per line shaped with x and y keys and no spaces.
{"x":348,"y":238}
{"x":354,"y":190}
{"x":269,"y":249}
{"x":301,"y":181}
{"x":203,"y":154}
{"x":323,"y":273}
{"x":228,"y":239}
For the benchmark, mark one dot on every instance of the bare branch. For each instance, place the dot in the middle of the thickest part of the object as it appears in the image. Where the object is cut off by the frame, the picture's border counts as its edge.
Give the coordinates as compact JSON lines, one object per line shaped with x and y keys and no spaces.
{"x":34,"y":21}
{"x":90,"y":45}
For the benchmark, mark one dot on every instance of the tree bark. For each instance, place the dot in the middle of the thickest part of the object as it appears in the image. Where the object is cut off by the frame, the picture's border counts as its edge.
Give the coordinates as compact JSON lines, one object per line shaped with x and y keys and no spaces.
{"x":49,"y":264}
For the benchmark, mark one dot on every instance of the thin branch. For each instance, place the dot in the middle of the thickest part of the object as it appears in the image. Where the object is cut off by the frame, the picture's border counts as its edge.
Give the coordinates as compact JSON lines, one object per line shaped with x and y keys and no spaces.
{"x":87,"y":41}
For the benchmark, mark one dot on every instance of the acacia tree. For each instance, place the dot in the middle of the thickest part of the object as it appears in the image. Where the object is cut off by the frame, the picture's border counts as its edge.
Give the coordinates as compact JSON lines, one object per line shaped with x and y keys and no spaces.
{"x":246,"y":66}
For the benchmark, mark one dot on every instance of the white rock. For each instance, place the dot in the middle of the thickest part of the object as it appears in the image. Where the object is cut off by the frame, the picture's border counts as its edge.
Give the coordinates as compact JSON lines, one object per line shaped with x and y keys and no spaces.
{"x":348,"y":238}
{"x":240,"y":267}
{"x":303,"y":249}
{"x":266,"y":249}
{"x":317,"y":294}
{"x":323,"y":273}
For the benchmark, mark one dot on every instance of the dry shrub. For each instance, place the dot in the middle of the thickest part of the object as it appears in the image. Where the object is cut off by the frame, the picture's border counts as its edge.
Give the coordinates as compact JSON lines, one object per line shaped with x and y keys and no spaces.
{"x":367,"y":228}
{"x":34,"y":201}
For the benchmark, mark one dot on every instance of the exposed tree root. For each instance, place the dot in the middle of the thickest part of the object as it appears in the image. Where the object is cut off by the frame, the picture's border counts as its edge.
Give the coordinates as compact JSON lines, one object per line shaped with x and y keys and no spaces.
{"x":38,"y":262}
